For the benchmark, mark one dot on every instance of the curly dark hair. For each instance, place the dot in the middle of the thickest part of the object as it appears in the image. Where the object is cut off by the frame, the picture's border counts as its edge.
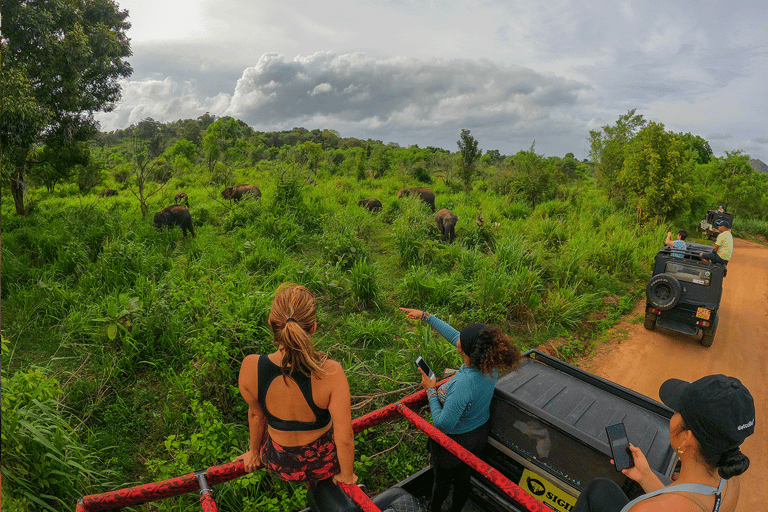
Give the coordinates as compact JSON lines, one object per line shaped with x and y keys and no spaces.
{"x":494,"y":350}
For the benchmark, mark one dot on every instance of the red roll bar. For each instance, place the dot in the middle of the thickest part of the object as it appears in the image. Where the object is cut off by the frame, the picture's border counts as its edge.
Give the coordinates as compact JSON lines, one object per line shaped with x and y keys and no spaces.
{"x":205,"y":479}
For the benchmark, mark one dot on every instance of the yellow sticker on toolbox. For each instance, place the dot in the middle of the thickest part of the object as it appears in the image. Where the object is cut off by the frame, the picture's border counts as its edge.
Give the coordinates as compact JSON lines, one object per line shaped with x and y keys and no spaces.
{"x":546,"y":492}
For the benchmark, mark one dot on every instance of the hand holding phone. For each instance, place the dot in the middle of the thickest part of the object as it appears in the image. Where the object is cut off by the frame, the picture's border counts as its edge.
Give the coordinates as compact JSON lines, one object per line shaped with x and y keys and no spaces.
{"x":425,"y":367}
{"x":619,"y":442}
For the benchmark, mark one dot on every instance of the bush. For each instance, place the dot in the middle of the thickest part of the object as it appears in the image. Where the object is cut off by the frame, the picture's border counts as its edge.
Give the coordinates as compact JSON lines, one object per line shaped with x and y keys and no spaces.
{"x":365,"y":289}
{"x":46,"y":462}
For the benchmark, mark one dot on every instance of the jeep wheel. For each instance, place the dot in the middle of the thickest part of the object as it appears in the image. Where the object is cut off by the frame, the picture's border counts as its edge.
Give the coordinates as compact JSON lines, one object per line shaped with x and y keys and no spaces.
{"x":650,"y":321}
{"x":663,"y":292}
{"x":709,"y":334}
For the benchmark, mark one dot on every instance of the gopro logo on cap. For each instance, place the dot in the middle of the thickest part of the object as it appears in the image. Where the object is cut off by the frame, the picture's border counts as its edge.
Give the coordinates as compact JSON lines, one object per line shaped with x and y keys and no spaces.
{"x":746,"y":425}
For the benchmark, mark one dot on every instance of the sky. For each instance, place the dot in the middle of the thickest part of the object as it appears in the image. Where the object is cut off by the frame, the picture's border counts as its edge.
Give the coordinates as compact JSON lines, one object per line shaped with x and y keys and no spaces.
{"x":516,"y":73}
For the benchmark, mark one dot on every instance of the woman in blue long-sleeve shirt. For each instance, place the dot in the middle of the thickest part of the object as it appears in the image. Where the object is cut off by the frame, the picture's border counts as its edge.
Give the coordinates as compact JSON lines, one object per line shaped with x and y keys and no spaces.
{"x":461,"y":407}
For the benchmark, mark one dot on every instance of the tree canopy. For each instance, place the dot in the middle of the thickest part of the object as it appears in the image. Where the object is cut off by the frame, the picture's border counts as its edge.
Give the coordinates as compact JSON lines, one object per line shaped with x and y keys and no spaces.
{"x":61,"y":62}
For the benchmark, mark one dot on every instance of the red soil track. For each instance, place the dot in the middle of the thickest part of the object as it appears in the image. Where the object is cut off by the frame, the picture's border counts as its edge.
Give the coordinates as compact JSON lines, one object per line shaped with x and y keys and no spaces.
{"x":644,"y":359}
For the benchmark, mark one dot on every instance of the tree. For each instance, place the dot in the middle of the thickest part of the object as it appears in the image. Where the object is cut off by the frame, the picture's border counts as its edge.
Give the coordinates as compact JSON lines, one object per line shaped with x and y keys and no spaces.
{"x":607,"y":149}
{"x":469,"y":154}
{"x":698,"y":148}
{"x":145,"y":147}
{"x":534,"y":175}
{"x":53,"y":163}
{"x":60,"y":63}
{"x":738,"y":187}
{"x":654,"y":173}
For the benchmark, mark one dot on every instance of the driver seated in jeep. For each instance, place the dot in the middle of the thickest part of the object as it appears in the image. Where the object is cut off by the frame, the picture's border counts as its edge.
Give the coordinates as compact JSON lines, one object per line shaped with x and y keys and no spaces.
{"x":723,"y":250}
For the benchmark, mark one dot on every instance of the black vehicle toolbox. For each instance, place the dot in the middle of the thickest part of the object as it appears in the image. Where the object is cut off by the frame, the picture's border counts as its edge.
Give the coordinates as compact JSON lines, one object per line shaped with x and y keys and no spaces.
{"x":548,"y":430}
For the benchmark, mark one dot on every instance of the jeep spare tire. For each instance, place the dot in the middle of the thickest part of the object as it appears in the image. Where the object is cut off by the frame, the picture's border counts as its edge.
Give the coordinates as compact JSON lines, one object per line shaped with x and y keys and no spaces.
{"x":663,"y":292}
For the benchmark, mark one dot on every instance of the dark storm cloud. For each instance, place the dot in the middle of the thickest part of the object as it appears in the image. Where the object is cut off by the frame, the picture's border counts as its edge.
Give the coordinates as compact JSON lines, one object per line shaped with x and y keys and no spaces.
{"x":406,"y":94}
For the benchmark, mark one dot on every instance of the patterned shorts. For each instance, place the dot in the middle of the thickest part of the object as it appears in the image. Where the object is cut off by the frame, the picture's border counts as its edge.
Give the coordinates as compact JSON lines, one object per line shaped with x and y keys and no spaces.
{"x":309,"y":463}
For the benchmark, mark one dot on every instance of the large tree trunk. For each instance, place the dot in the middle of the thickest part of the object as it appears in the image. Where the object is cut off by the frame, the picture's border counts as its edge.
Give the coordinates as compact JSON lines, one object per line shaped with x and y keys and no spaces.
{"x":17,"y":189}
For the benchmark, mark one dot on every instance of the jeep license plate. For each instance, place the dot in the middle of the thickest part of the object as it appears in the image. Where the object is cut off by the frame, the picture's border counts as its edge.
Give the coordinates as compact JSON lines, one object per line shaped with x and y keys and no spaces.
{"x":703,"y":313}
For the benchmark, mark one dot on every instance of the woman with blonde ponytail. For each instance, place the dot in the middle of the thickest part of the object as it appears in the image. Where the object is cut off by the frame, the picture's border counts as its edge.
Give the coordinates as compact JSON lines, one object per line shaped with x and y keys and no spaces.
{"x":299,"y":411}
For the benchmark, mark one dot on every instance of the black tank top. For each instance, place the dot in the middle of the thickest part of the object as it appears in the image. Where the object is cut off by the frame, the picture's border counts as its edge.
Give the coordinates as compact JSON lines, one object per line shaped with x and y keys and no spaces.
{"x":269,"y":371}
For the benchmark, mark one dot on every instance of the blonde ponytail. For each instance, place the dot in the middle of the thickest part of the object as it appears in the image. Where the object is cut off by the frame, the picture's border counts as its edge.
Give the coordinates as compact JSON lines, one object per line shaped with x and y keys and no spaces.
{"x":291,"y":320}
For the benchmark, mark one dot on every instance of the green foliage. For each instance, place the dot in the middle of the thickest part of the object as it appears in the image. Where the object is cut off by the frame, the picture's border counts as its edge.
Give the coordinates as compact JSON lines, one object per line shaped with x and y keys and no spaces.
{"x":469,"y":155}
{"x":74,"y":55}
{"x":365,"y":288}
{"x":46,"y":462}
{"x":607,"y":149}
{"x":654,"y":173}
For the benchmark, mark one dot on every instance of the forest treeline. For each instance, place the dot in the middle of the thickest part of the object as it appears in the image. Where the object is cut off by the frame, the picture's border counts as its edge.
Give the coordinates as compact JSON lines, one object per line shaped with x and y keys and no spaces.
{"x":638,"y":164}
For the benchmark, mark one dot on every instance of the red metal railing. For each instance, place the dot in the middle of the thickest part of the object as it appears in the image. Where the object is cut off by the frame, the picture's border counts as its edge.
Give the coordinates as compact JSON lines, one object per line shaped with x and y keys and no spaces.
{"x":203,"y":481}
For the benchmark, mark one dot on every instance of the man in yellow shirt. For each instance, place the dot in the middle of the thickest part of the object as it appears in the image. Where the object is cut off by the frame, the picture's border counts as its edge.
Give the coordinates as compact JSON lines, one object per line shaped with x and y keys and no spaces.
{"x":723,"y":245}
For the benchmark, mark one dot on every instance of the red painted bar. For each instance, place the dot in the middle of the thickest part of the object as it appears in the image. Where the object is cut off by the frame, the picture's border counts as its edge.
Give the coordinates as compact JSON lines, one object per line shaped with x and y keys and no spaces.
{"x":359,"y":497}
{"x":485,"y":469}
{"x":159,"y":490}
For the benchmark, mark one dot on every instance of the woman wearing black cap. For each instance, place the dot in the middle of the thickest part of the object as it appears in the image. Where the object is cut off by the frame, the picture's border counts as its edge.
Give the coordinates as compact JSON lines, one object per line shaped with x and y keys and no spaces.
{"x":713,"y":416}
{"x":461,"y":407}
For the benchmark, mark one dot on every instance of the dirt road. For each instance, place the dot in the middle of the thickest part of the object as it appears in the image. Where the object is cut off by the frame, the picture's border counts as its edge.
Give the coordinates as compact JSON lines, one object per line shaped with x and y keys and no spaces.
{"x":645,"y":359}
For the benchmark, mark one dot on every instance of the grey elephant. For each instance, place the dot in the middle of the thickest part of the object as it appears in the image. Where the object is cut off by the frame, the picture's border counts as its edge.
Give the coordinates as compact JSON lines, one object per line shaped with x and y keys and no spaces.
{"x":426,"y":195}
{"x":446,"y":222}
{"x":238,"y":191}
{"x":175,"y":215}
{"x":373,"y":205}
{"x":181,"y":198}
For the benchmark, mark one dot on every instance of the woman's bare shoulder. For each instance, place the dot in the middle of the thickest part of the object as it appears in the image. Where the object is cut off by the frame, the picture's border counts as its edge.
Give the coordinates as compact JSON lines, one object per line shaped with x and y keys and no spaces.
{"x":332,"y":367}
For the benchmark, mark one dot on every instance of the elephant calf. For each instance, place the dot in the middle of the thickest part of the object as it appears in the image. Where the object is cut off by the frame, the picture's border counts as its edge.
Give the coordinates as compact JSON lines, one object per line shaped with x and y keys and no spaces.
{"x":175,"y":215}
{"x":424,"y":193}
{"x":446,"y":222}
{"x":238,"y":191}
{"x":373,"y":205}
{"x":181,"y":198}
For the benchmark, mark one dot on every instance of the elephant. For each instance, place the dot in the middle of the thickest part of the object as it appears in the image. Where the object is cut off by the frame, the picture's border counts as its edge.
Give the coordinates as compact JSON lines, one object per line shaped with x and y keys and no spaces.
{"x":181,"y":198}
{"x":175,"y":215}
{"x":108,"y":192}
{"x":446,"y":222}
{"x":426,"y":195}
{"x":238,"y":191}
{"x":373,"y":205}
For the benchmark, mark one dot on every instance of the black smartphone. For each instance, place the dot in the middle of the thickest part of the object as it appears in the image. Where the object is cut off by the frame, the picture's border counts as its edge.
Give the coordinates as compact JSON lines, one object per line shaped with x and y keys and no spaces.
{"x":421,"y":363}
{"x":617,"y":438}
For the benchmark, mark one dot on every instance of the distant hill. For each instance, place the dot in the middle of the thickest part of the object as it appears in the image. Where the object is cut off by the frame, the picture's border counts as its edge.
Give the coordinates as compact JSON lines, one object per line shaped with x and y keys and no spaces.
{"x":758,"y":165}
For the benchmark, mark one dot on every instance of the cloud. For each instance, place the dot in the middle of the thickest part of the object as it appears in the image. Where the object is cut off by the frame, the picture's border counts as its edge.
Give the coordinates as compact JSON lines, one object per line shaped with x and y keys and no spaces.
{"x":428,"y":100}
{"x":396,"y":95}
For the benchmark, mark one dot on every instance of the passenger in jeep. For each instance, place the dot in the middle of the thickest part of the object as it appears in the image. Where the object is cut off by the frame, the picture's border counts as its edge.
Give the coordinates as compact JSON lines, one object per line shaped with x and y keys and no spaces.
{"x":723,"y":245}
{"x":713,"y":416}
{"x":678,"y":246}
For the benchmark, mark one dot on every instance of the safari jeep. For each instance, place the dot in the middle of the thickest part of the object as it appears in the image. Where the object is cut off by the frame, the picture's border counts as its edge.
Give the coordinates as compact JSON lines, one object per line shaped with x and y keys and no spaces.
{"x":547,"y":442}
{"x":708,"y":226}
{"x":548,"y":422}
{"x":683,"y":294}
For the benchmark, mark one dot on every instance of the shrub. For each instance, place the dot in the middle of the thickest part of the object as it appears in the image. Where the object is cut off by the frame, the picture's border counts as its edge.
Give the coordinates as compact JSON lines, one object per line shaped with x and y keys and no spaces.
{"x":365,"y":289}
{"x":46,"y":462}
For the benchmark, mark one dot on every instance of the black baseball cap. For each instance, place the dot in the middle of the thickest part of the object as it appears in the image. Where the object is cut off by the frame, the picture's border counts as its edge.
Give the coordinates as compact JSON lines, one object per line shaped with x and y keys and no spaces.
{"x":719,"y":410}
{"x":723,"y":222}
